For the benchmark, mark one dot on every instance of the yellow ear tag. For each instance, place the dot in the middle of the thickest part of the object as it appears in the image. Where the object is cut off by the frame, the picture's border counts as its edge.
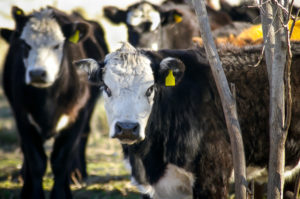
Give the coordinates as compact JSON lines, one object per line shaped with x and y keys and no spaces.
{"x":75,"y":38}
{"x":177,"y":18}
{"x":19,"y":12}
{"x":170,"y":79}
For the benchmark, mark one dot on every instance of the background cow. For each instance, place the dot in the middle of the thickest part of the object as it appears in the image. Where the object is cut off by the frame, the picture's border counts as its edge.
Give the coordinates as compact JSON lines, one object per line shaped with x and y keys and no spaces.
{"x":165,"y":109}
{"x":156,"y":27}
{"x":49,"y":97}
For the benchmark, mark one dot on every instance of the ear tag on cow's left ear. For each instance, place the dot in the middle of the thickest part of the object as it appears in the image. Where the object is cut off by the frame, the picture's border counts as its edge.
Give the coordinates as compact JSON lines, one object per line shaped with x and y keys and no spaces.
{"x":170,"y":79}
{"x":19,"y":12}
{"x":177,"y":18}
{"x":75,"y":38}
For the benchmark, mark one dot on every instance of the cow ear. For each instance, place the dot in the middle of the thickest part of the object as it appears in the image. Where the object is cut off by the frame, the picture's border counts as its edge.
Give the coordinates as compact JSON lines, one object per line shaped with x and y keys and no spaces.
{"x":171,"y":17}
{"x":92,"y":68}
{"x":115,"y":15}
{"x":171,"y":71}
{"x":76,"y":32}
{"x":17,"y":13}
{"x":19,"y":17}
{"x":6,"y":34}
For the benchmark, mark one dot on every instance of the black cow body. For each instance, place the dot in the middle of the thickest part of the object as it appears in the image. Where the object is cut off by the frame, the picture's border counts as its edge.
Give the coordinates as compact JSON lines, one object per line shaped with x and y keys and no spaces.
{"x":186,"y":149}
{"x":39,"y":110}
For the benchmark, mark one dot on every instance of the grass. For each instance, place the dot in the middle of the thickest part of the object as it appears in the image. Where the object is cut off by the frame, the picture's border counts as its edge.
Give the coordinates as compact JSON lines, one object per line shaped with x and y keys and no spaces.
{"x":107,"y":179}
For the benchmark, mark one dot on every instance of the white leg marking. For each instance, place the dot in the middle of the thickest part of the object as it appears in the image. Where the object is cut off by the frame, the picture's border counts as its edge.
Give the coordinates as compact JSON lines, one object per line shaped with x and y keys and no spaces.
{"x":144,"y":189}
{"x":176,"y":183}
{"x":62,"y":122}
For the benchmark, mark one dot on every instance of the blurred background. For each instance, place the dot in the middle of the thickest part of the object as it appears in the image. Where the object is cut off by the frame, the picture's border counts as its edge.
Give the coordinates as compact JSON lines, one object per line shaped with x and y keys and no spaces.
{"x":107,"y":176}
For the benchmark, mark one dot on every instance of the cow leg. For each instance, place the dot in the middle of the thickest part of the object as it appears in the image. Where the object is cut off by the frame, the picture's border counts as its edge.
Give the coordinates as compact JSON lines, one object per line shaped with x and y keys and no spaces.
{"x":81,"y":152}
{"x":63,"y":155}
{"x":78,"y":170}
{"x":35,"y":160}
{"x":79,"y":162}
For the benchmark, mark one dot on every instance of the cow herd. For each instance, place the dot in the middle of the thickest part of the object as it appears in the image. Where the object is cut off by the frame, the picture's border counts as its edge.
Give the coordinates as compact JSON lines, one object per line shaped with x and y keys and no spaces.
{"x":159,"y":95}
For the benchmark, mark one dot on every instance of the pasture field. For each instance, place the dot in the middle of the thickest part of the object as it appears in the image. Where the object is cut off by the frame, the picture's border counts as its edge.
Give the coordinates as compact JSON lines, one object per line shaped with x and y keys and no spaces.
{"x":107,"y":179}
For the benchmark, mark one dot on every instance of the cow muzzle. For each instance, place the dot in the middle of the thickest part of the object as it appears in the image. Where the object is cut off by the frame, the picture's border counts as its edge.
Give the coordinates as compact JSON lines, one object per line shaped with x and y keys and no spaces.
{"x":127,"y":132}
{"x":38,"y":76}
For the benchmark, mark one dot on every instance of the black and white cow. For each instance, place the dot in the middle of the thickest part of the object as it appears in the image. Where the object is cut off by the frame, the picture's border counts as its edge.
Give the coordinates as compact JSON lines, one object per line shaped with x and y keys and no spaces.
{"x":164,"y":108}
{"x":155,"y":27}
{"x":48,"y":95}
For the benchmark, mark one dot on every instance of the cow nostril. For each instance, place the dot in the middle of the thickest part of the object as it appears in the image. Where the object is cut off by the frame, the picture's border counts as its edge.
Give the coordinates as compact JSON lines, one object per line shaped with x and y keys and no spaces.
{"x":43,"y":74}
{"x":118,"y":128}
{"x":136,"y":129}
{"x":126,"y":128}
{"x":37,"y":74}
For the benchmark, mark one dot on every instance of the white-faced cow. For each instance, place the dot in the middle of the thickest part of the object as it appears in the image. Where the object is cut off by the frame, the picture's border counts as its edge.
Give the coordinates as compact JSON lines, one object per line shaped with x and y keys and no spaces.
{"x":48,"y":95}
{"x":170,"y":25}
{"x":155,"y":27}
{"x":165,"y":109}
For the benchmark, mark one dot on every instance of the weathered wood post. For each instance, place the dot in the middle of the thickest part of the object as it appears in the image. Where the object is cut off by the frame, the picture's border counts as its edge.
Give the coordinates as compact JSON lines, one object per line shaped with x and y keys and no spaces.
{"x":274,"y":16}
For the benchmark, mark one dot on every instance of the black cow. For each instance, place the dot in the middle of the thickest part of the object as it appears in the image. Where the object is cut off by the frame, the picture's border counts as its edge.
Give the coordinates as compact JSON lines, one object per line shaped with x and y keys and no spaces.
{"x":165,"y":109}
{"x":48,"y":95}
{"x":155,"y":27}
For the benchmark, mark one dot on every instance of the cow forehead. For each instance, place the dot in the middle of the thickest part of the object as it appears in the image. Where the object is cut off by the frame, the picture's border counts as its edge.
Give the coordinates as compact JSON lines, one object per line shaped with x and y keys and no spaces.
{"x":42,"y":29}
{"x":144,"y":7}
{"x":125,"y":69}
{"x":143,"y":12}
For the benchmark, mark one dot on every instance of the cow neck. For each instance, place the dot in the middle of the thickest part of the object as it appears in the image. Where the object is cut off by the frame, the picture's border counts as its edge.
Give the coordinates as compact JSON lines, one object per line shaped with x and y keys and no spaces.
{"x":70,"y":89}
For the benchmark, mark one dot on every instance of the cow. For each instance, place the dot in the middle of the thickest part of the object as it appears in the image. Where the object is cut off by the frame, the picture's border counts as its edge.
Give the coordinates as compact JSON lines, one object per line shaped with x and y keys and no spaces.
{"x":155,"y":27}
{"x":49,"y":97}
{"x":164,"y":108}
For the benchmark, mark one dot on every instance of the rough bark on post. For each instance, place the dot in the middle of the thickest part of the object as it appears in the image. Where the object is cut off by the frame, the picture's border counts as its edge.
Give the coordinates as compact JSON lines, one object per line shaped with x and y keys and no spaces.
{"x":273,"y":19}
{"x":228,"y":101}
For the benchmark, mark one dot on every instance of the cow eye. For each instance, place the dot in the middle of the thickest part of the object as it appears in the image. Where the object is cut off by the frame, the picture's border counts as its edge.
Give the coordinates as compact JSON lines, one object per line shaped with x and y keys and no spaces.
{"x":106,"y":90}
{"x":149,"y":91}
{"x":56,"y":47}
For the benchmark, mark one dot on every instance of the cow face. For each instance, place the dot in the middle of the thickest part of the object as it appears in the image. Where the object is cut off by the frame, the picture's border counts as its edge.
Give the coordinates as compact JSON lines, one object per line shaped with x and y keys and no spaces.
{"x":143,"y":14}
{"x":129,"y":80}
{"x":43,"y":42}
{"x":43,"y":39}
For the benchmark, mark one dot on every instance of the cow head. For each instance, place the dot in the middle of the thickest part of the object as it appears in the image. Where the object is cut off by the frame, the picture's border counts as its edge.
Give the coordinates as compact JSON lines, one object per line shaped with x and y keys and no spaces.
{"x":42,"y":41}
{"x":130,"y":80}
{"x":142,"y":17}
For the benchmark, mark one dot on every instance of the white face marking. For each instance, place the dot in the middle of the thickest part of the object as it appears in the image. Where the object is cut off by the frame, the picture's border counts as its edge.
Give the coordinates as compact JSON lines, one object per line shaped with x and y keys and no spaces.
{"x":128,"y":75}
{"x":45,"y":38}
{"x":144,"y":13}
